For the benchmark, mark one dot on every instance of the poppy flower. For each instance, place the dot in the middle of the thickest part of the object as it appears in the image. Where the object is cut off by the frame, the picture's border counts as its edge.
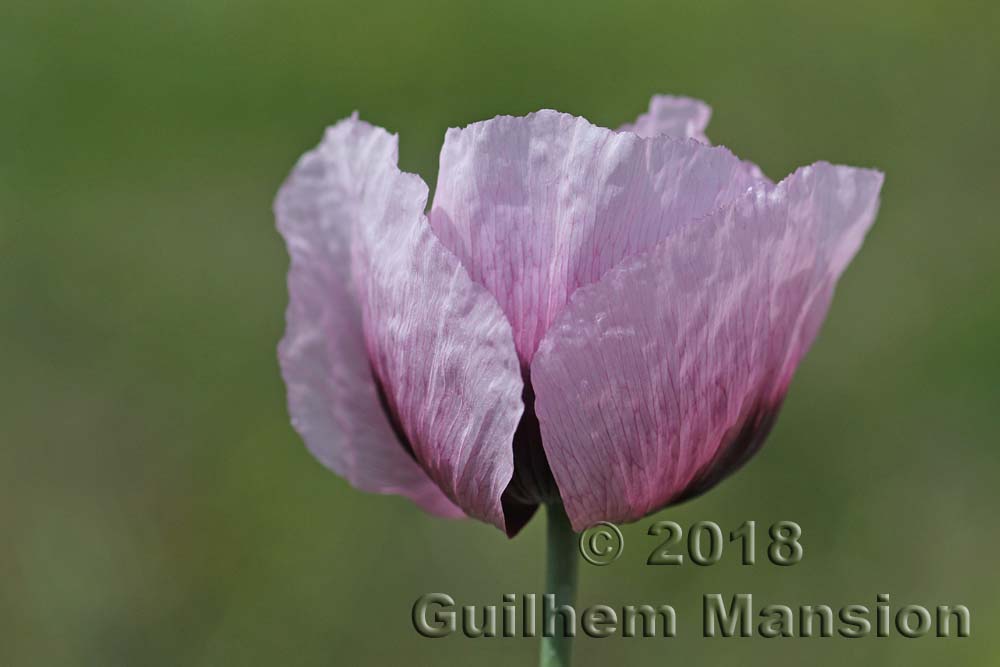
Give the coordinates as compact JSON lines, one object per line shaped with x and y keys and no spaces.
{"x":609,"y":319}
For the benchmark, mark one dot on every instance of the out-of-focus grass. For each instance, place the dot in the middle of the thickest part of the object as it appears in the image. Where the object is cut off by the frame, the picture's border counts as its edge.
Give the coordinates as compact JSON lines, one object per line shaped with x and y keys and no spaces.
{"x":156,"y":507}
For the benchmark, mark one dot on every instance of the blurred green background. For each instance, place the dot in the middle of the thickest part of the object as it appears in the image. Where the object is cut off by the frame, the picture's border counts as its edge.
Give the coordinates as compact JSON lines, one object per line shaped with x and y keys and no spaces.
{"x":156,"y":508}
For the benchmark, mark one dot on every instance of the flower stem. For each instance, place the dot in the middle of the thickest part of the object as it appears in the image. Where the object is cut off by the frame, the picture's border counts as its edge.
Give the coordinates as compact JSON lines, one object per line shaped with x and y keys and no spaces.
{"x":560,"y":580}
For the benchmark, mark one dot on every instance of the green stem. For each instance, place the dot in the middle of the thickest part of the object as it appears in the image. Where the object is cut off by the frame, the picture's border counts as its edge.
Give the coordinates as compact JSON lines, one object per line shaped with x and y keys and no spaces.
{"x":560,"y":580}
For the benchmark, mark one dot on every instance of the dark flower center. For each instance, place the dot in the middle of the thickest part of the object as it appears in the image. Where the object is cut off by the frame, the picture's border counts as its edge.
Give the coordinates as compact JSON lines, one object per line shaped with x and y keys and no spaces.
{"x":532,"y":482}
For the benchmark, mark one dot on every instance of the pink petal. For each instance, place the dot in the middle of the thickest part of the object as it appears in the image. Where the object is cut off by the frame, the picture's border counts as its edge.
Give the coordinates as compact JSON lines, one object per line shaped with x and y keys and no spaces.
{"x":671,"y":116}
{"x":681,"y":117}
{"x":438,"y":343}
{"x":665,"y":376}
{"x":332,"y":396}
{"x":538,"y":206}
{"x":337,"y":199}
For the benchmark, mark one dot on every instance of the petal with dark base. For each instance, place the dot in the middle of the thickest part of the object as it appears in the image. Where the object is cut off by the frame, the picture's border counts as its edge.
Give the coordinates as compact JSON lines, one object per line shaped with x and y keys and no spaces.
{"x":438,"y":343}
{"x":332,"y":397}
{"x":664,"y":376}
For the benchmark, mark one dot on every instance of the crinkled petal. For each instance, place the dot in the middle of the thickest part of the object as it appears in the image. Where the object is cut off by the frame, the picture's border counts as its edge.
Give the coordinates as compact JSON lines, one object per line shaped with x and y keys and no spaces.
{"x":332,"y":397}
{"x":438,"y":343}
{"x":538,"y":206}
{"x":681,"y":117}
{"x":668,"y":115}
{"x":666,"y":375}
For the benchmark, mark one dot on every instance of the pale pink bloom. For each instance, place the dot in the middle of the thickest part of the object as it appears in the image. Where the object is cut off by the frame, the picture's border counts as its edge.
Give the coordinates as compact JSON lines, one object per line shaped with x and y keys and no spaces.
{"x":610,"y":318}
